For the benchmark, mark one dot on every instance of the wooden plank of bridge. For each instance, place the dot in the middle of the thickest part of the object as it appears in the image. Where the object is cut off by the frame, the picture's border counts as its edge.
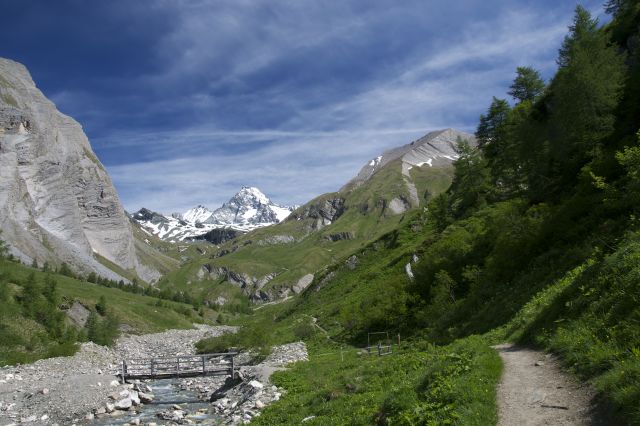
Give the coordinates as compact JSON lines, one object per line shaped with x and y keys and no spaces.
{"x":180,"y":366}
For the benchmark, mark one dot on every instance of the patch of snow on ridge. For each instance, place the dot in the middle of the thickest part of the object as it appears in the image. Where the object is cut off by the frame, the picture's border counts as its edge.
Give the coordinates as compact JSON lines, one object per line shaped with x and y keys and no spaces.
{"x":282,"y":212}
{"x":197,"y":214}
{"x":429,"y":162}
{"x":375,"y":161}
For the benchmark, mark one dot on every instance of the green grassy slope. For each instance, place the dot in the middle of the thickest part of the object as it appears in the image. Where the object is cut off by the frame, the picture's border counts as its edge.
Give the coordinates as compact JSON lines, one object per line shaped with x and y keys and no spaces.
{"x":366,"y":217}
{"x":25,"y":337}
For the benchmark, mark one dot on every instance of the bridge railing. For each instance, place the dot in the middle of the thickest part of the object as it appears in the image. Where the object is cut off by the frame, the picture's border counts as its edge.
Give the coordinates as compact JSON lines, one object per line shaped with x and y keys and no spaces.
{"x":179,"y":366}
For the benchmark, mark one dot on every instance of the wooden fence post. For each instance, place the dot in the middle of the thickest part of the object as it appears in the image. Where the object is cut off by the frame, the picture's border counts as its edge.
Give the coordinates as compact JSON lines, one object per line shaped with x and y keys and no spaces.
{"x":204,"y":370}
{"x":124,"y":370}
{"x":178,"y":366}
{"x":233,"y":368}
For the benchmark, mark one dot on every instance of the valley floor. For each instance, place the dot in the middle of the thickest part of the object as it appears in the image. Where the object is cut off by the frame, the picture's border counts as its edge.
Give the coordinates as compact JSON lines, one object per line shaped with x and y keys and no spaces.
{"x":65,"y":389}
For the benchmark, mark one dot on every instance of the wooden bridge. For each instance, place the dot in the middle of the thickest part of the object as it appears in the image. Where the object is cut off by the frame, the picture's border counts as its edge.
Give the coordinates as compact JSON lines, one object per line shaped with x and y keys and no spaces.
{"x":220,"y":364}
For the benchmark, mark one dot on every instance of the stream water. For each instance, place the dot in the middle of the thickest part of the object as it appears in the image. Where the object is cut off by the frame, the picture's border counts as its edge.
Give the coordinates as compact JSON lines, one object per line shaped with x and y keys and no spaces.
{"x":167,"y":393}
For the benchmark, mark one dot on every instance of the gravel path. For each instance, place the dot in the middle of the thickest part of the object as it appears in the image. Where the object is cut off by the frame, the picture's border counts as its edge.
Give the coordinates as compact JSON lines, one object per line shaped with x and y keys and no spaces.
{"x":535,"y":391}
{"x":65,"y":390}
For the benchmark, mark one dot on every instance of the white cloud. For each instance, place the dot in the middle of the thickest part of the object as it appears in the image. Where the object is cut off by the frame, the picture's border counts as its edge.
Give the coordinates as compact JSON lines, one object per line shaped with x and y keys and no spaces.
{"x":298,"y":159}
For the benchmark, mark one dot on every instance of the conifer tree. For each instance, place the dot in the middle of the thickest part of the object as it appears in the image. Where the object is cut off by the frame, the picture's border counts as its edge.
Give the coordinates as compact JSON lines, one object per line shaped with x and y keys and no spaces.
{"x":527,"y":85}
{"x":585,"y":92}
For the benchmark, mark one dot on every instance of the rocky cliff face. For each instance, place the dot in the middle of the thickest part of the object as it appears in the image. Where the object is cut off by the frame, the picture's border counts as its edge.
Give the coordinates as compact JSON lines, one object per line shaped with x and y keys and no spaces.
{"x":57,"y":202}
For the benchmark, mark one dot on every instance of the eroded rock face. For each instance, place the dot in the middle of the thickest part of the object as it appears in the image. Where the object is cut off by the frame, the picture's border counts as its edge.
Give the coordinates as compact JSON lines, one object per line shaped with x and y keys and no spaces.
{"x":218,"y":236}
{"x":57,"y":202}
{"x":324,"y":212}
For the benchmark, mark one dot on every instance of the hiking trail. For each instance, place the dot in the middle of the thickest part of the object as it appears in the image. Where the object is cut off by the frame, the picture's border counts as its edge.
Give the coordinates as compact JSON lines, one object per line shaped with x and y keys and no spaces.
{"x":534,"y":390}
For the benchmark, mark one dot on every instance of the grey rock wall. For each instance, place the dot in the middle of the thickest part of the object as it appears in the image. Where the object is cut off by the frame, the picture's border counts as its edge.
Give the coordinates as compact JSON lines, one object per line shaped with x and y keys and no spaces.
{"x":57,"y":202}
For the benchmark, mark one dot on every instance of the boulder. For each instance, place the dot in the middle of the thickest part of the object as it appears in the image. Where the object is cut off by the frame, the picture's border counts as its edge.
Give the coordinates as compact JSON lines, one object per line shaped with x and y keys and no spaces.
{"x":145,"y":397}
{"x":124,"y":404}
{"x":303,"y":283}
{"x":256,"y":384}
{"x":134,"y":397}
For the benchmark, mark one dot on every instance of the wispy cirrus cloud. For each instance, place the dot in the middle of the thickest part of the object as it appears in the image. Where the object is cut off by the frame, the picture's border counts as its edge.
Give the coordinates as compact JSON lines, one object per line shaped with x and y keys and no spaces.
{"x":186,"y":100}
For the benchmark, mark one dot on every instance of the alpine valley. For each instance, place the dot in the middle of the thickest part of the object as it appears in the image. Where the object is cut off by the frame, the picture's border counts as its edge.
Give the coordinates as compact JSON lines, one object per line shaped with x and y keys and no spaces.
{"x":485,"y":278}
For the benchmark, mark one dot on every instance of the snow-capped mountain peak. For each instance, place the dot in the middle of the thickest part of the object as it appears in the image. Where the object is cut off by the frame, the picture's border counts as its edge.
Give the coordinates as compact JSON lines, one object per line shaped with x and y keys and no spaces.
{"x":197,"y":214}
{"x":253,"y":193}
{"x":248,"y":209}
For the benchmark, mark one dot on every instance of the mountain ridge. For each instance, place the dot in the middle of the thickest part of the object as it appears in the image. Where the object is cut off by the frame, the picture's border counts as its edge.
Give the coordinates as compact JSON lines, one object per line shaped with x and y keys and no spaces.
{"x":274,"y":262}
{"x":248,"y":209}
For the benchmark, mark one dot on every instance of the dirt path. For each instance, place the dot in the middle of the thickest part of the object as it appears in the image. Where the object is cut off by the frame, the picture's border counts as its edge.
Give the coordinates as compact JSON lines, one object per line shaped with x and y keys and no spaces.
{"x":535,"y":391}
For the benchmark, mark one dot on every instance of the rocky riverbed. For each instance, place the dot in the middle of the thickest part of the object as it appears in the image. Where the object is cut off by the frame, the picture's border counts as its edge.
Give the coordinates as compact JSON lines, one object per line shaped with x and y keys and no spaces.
{"x":238,"y":401}
{"x":83,"y":389}
{"x":67,"y":390}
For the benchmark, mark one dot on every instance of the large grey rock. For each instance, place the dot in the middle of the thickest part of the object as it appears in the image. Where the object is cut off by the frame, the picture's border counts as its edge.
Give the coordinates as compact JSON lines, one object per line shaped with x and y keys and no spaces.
{"x":302,"y":283}
{"x":57,"y":202}
{"x":325,"y":211}
{"x":78,"y":314}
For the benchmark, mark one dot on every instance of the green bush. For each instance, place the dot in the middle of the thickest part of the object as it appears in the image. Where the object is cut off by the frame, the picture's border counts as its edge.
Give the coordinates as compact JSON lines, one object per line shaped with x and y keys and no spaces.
{"x":304,"y":331}
{"x":258,"y":339}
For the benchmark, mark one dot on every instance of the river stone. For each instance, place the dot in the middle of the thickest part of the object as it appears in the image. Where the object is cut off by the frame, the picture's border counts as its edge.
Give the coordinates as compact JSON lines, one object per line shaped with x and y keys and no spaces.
{"x":135,"y":398}
{"x":256,"y":384}
{"x":145,"y":397}
{"x":123,"y":404}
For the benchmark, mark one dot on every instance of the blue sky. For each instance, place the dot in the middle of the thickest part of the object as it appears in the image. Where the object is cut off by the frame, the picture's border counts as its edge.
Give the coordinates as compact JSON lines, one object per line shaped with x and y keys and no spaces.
{"x":185,"y":101}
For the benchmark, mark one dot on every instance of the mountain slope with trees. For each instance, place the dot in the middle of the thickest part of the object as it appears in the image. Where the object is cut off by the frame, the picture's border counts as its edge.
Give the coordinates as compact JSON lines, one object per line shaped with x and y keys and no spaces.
{"x":536,"y":241}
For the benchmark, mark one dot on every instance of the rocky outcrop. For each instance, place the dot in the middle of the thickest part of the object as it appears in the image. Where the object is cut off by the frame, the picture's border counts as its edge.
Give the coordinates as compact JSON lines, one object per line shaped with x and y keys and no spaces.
{"x":78,"y":314}
{"x":218,"y":235}
{"x":352,"y":262}
{"x":399,"y":205}
{"x":57,"y":202}
{"x":302,"y":283}
{"x":340,"y":236}
{"x":251,"y":286}
{"x":276,"y":239}
{"x":325,"y":212}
